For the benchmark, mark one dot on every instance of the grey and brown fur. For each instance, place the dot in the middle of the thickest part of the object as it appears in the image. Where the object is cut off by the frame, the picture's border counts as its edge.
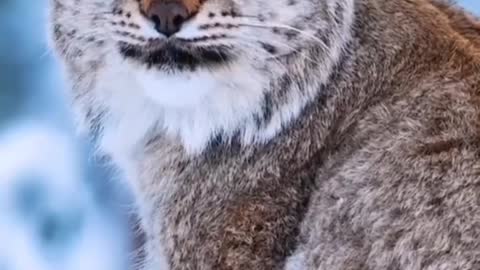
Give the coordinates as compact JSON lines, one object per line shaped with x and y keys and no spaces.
{"x":380,"y":168}
{"x":460,"y":20}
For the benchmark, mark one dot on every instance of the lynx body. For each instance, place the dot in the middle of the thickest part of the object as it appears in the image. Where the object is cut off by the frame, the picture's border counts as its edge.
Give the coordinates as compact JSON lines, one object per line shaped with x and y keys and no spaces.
{"x":288,"y":134}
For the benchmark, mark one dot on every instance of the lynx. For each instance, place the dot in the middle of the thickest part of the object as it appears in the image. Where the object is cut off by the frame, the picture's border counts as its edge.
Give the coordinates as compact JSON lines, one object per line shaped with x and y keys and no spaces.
{"x":287,"y":134}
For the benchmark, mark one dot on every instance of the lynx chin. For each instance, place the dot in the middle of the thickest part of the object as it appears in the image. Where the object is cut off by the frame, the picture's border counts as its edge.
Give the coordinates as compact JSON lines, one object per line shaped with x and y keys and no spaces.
{"x":286,"y":134}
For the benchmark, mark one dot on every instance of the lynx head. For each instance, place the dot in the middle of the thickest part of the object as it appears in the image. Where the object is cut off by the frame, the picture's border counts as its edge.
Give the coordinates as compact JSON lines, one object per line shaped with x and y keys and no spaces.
{"x":197,"y":69}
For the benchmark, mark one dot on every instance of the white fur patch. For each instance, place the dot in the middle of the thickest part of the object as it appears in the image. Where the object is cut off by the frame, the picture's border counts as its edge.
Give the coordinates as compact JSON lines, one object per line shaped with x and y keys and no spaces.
{"x":296,"y":262}
{"x":189,"y":107}
{"x":178,"y":91}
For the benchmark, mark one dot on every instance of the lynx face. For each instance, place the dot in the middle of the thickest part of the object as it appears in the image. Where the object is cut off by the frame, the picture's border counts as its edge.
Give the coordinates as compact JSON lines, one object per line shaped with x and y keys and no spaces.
{"x":214,"y":33}
{"x":222,"y":70}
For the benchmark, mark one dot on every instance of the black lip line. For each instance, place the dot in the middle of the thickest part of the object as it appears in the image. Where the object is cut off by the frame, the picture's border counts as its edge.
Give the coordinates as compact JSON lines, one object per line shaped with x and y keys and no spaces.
{"x":183,"y":43}
{"x":177,"y":55}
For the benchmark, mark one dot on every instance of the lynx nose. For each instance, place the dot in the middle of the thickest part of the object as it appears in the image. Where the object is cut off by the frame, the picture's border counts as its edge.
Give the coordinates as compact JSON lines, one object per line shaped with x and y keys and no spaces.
{"x":168,"y":16}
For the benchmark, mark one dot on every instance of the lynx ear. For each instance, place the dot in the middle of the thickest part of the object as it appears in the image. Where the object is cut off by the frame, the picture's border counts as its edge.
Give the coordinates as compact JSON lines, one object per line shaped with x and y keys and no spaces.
{"x":191,"y":5}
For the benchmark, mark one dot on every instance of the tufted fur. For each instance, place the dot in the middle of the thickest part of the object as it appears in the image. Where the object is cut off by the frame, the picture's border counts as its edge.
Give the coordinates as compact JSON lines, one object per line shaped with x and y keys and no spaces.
{"x":305,"y":134}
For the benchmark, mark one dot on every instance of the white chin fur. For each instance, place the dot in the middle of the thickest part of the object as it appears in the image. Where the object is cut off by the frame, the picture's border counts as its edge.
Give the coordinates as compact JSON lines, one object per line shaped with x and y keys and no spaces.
{"x":176,"y":91}
{"x":190,"y":107}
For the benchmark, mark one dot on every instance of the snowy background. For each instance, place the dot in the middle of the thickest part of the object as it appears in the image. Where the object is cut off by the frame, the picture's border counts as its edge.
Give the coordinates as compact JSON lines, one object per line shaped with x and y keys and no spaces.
{"x":59,"y":209}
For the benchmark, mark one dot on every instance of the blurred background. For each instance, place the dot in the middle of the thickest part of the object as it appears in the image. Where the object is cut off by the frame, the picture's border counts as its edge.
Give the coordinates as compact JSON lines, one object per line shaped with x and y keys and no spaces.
{"x":59,"y":208}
